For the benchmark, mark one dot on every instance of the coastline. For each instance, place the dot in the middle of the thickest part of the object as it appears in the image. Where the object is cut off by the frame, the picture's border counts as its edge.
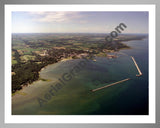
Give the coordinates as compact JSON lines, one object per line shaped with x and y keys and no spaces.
{"x":42,"y":79}
{"x":69,"y":58}
{"x":39,"y":78}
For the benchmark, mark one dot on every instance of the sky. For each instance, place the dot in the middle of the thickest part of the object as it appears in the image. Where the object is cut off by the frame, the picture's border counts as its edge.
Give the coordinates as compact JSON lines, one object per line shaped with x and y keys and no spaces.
{"x":78,"y":22}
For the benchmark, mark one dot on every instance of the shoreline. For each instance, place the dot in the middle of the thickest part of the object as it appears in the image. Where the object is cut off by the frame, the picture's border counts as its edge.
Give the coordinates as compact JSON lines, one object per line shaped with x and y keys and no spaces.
{"x":43,"y":79}
{"x":67,"y":59}
{"x":39,"y":78}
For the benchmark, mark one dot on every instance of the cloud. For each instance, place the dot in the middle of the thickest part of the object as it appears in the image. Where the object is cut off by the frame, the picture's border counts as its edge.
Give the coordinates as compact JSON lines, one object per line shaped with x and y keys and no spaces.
{"x":83,"y":21}
{"x":50,"y":17}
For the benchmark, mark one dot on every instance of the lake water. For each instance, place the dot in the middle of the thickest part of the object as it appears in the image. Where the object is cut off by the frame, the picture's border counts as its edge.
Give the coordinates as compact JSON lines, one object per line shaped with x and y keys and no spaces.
{"x":75,"y":97}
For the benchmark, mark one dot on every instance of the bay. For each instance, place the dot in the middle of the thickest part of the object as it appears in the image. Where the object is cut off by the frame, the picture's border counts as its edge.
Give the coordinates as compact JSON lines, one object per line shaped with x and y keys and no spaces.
{"x":76,"y":97}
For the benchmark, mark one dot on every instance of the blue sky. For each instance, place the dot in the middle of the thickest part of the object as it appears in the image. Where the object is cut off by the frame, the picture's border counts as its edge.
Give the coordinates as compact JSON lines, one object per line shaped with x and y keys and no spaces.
{"x":78,"y":22}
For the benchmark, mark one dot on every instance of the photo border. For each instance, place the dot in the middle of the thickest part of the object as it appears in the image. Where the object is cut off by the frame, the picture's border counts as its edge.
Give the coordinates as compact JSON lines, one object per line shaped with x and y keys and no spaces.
{"x":9,"y":118}
{"x":2,"y":3}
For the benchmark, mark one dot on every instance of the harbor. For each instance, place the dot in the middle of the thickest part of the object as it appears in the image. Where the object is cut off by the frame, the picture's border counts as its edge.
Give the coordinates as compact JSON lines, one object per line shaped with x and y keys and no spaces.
{"x":140,"y":73}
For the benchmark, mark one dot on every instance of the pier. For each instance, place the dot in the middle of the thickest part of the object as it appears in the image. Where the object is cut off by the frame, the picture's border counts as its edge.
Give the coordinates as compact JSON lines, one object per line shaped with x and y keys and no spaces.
{"x":110,"y":85}
{"x":140,"y":73}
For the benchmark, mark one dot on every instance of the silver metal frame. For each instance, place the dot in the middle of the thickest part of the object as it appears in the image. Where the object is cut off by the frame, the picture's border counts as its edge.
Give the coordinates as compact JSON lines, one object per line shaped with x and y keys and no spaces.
{"x":3,"y":125}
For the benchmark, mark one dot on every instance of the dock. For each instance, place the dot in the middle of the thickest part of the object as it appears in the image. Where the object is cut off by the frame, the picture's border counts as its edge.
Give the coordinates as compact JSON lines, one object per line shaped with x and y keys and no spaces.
{"x":140,"y":73}
{"x":110,"y":84}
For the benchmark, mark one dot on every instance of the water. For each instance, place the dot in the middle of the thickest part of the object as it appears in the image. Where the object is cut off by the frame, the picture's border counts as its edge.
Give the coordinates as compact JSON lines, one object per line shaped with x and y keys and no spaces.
{"x":75,"y":97}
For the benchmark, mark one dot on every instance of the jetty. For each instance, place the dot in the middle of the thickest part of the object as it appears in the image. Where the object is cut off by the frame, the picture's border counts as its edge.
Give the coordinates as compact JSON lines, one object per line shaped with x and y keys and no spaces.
{"x":140,"y":73}
{"x":110,"y":85}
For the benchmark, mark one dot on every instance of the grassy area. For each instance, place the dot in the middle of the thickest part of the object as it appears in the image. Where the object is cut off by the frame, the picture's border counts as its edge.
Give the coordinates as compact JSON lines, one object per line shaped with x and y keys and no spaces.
{"x":14,"y":61}
{"x":25,"y":58}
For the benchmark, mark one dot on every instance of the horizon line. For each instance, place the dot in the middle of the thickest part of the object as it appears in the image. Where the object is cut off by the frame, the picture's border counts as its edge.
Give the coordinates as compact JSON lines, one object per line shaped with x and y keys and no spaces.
{"x":68,"y":33}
